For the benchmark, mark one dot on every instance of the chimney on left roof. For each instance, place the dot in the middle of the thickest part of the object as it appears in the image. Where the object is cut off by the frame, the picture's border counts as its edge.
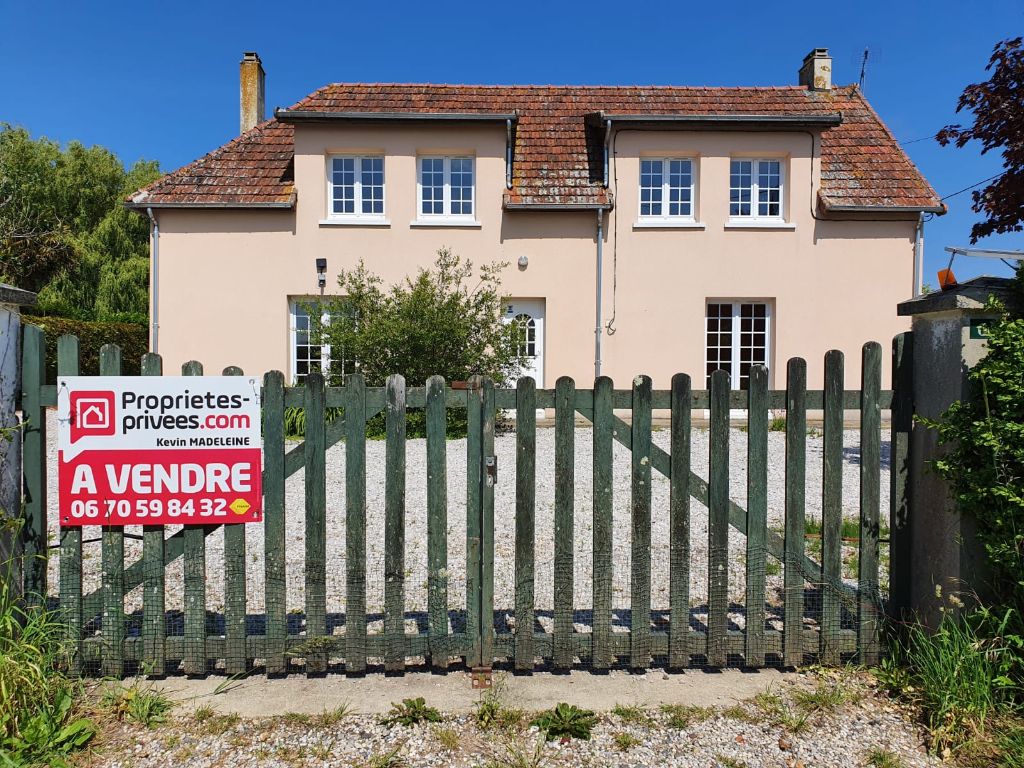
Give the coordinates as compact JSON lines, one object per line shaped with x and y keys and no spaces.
{"x":253,"y":104}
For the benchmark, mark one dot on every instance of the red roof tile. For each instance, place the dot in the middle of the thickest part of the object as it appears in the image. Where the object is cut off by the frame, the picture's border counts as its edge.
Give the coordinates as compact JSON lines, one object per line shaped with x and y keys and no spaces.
{"x":558,"y":156}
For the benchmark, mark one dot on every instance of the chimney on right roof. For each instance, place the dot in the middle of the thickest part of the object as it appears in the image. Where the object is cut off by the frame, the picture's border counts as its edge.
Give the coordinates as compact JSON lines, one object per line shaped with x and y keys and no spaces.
{"x":251,"y":79}
{"x":816,"y":72}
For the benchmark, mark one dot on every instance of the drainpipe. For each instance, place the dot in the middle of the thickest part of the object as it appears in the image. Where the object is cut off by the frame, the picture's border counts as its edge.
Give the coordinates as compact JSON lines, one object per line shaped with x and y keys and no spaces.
{"x":919,"y":256}
{"x":607,"y":140}
{"x":600,"y":274}
{"x":154,"y":280}
{"x":508,"y":154}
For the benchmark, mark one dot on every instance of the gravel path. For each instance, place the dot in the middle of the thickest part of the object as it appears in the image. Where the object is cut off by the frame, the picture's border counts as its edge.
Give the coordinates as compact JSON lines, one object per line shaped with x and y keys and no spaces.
{"x":416,"y":551}
{"x":750,"y":735}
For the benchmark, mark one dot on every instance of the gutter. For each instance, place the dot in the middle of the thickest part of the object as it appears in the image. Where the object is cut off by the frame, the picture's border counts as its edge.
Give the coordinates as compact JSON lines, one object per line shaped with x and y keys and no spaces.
{"x":557,"y":206}
{"x":154,"y":280}
{"x":783,"y":122}
{"x":940,"y":209}
{"x":301,"y":115}
{"x":144,"y":206}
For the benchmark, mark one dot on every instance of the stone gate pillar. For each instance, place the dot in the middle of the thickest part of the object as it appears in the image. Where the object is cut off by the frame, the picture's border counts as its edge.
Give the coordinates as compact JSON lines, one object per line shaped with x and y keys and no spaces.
{"x":11,"y":299}
{"x":948,"y":328}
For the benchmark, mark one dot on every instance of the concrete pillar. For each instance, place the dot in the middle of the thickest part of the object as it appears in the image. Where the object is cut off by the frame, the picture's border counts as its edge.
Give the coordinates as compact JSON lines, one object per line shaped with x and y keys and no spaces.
{"x":948,"y":328}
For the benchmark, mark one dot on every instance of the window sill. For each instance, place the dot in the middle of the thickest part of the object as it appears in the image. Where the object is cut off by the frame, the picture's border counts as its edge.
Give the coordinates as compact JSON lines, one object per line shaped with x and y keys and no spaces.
{"x":440,"y":222}
{"x":667,"y":224}
{"x":355,"y":221}
{"x":759,"y":224}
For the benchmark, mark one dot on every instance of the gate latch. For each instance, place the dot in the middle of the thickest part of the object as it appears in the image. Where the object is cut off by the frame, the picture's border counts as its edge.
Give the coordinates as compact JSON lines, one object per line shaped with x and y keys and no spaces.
{"x":491,"y":463}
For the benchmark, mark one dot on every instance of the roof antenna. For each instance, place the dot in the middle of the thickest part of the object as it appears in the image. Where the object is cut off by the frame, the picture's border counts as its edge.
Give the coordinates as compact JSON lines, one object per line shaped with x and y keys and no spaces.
{"x":863,"y":68}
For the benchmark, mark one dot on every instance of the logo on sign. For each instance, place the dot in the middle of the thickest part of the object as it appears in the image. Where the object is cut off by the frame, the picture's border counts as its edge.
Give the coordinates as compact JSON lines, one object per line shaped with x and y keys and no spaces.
{"x":92,"y":414}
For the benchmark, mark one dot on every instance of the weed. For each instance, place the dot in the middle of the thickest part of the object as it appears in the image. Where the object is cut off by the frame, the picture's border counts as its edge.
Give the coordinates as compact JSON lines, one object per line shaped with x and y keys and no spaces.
{"x":772,"y":567}
{"x":740,"y":713}
{"x":411,"y":712}
{"x":171,"y":740}
{"x":777,"y":424}
{"x":625,"y":741}
{"x":232,"y":682}
{"x":779,"y":713}
{"x":217,"y":725}
{"x":39,"y":723}
{"x":330,"y":717}
{"x":680,"y":716}
{"x":729,"y":762}
{"x":824,"y":698}
{"x":632,"y":714}
{"x":142,"y":704}
{"x":448,"y":738}
{"x":491,"y":712}
{"x":956,"y":675}
{"x":202,"y":714}
{"x":388,"y":759}
{"x":323,"y":750}
{"x":297,"y":718}
{"x":565,"y":721}
{"x":512,"y":755}
{"x":879,"y":757}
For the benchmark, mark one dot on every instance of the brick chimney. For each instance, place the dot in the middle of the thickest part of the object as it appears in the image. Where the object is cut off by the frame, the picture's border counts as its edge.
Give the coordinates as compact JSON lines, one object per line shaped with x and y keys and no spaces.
{"x":253,"y":106}
{"x":816,"y":71}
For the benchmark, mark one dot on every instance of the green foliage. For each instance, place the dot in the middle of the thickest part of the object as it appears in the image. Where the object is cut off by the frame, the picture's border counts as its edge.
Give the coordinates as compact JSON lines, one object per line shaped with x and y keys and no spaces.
{"x":142,"y":704}
{"x":632,"y":714}
{"x":39,"y":724}
{"x":777,"y":424}
{"x":64,"y":232}
{"x":625,"y":741}
{"x":958,"y":676}
{"x":412,"y":712}
{"x":295,"y":420}
{"x":984,"y":465}
{"x":680,"y":716}
{"x":444,"y":321}
{"x":565,"y":721}
{"x":879,"y":757}
{"x":133,"y":340}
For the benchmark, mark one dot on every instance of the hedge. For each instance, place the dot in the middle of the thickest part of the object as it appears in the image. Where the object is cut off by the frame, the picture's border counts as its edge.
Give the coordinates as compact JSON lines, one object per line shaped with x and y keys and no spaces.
{"x":133,"y":340}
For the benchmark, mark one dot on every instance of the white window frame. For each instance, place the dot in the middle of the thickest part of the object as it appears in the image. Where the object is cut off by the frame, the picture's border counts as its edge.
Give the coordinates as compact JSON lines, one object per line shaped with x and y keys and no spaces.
{"x":446,"y":202}
{"x":736,"y":342}
{"x":666,"y":192}
{"x":753,"y":217}
{"x":357,"y":216}
{"x":295,"y":304}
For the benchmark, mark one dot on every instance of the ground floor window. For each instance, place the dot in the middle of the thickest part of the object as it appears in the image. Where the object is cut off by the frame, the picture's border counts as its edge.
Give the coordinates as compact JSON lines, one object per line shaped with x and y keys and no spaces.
{"x":737,"y":336}
{"x":309,"y":353}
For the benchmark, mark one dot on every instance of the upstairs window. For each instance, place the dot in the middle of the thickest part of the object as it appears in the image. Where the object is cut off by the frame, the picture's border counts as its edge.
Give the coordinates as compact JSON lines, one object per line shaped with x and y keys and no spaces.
{"x":666,"y":189}
{"x":755,"y":189}
{"x":356,"y":187}
{"x":446,"y":188}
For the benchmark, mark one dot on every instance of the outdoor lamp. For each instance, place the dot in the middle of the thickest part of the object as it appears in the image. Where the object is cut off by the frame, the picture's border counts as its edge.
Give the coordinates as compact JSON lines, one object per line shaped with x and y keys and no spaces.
{"x":321,"y":273}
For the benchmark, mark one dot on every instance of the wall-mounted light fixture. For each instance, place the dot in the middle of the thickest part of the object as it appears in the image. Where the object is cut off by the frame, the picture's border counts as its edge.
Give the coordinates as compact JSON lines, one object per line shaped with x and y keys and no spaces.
{"x":321,"y":274}
{"x":524,"y":261}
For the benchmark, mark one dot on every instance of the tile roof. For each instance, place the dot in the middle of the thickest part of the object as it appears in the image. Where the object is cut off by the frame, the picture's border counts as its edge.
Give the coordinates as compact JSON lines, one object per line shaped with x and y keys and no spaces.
{"x":558,"y":157}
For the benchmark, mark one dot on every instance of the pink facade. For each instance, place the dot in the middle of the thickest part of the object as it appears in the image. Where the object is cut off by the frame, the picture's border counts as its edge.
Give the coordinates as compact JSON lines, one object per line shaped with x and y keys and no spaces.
{"x":681,"y":290}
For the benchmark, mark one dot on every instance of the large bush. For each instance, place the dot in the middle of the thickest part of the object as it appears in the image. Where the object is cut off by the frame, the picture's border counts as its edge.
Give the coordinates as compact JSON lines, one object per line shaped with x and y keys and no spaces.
{"x":444,"y":321}
{"x":132,"y":339}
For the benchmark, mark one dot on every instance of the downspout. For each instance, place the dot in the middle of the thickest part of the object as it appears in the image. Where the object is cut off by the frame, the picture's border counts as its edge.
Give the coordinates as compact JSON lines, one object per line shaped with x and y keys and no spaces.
{"x":607,"y":140}
{"x":600,"y":286}
{"x":919,"y":256}
{"x":508,"y":154}
{"x":154,"y":281}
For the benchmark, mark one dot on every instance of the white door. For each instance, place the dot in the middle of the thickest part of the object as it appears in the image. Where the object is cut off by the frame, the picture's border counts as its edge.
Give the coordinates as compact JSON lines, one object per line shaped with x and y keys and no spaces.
{"x":529,"y":315}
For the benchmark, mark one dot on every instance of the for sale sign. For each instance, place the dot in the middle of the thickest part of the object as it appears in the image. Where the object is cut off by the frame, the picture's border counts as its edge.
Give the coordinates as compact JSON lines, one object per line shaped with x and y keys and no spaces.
{"x":155,"y":450}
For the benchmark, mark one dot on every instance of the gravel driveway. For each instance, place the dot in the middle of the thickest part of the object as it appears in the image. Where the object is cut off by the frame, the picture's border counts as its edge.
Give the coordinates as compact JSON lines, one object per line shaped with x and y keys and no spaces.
{"x":416,"y":550}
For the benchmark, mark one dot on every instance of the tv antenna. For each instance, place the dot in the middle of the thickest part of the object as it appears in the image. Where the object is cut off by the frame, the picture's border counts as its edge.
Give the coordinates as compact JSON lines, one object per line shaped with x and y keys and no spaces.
{"x":863,"y":68}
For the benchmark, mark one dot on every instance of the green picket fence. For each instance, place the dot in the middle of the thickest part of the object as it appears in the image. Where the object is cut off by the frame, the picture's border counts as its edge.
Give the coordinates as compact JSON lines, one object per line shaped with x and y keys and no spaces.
{"x":845,"y":614}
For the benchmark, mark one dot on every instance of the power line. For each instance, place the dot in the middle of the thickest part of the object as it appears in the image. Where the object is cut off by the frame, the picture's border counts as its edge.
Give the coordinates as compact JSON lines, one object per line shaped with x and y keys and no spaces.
{"x":978,"y":184}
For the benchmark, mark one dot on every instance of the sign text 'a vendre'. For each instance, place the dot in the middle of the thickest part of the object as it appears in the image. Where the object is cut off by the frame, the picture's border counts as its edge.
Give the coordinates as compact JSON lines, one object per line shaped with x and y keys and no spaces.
{"x":160,"y":450}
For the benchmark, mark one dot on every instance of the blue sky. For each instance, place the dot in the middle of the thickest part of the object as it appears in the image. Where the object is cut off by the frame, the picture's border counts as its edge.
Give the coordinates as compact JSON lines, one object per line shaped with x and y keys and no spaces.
{"x":160,"y":80}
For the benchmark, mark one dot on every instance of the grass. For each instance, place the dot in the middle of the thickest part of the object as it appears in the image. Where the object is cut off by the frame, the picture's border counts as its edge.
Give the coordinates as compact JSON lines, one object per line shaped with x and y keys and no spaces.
{"x":679,"y":716}
{"x":779,"y":713}
{"x":491,"y":711}
{"x":740,"y":713}
{"x":625,"y":741}
{"x":518,"y":754}
{"x":448,"y":738}
{"x":411,"y":712}
{"x":880,"y":757}
{"x":40,"y":717}
{"x":632,"y":714}
{"x":138,"y":702}
{"x":218,"y":725}
{"x":826,"y":697}
{"x":729,"y":762}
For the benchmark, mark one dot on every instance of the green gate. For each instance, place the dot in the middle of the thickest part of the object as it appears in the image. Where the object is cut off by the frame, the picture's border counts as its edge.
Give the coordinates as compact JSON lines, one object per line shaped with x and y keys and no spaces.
{"x":822,"y":615}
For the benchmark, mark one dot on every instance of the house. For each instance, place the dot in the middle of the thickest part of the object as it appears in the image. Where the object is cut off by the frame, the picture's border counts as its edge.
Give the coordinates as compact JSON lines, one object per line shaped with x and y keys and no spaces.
{"x":646,"y":229}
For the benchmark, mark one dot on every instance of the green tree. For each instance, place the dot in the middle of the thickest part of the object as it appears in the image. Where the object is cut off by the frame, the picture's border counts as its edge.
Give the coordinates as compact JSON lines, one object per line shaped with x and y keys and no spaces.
{"x":64,"y":231}
{"x":445,"y":321}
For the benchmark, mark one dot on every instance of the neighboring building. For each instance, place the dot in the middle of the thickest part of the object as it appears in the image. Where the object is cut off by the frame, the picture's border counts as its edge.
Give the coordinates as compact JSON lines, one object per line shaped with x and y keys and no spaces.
{"x":732,"y":226}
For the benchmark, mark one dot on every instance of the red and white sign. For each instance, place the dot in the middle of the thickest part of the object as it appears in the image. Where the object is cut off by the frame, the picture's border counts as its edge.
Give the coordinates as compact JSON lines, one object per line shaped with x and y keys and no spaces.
{"x":159,"y":450}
